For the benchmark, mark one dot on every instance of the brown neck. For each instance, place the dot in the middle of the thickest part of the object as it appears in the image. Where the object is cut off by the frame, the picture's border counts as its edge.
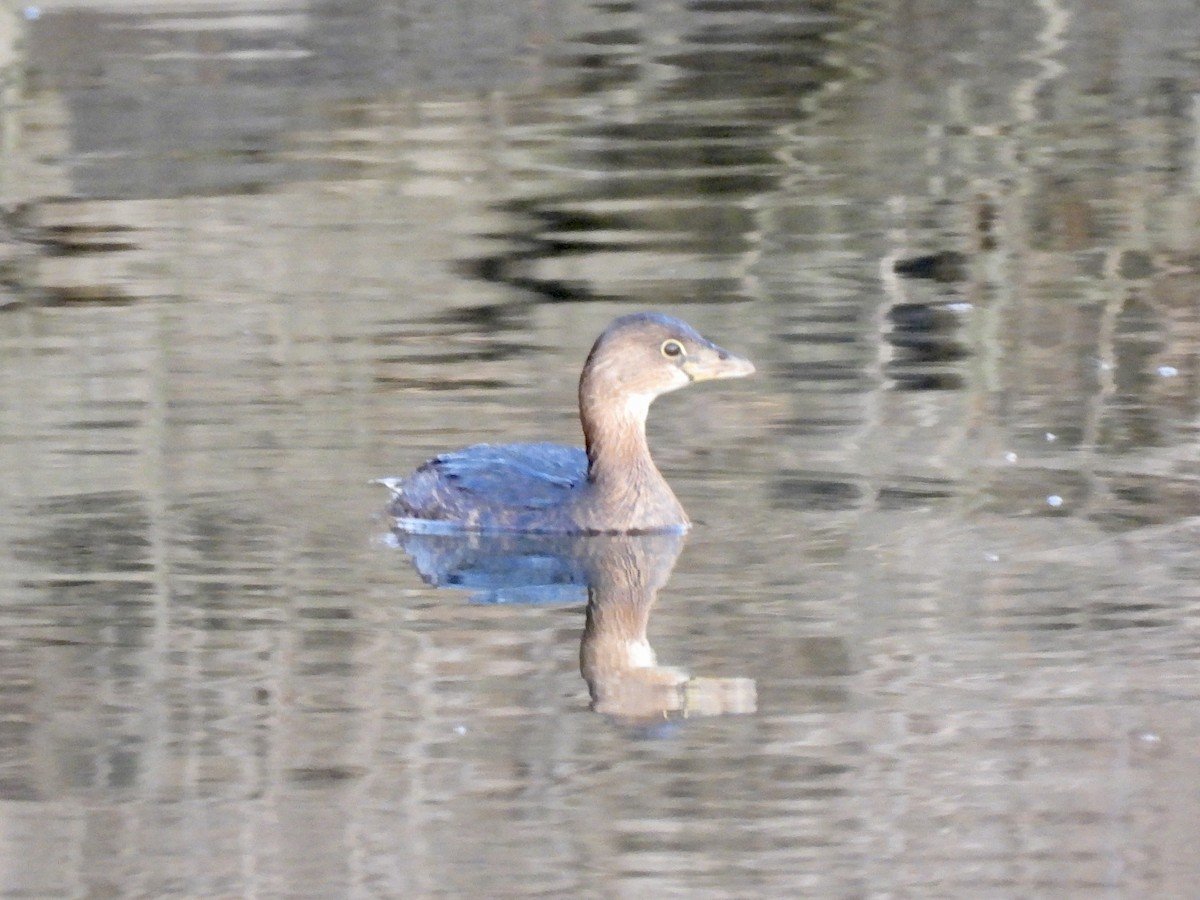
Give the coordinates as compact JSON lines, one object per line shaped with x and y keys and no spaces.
{"x":622,"y":476}
{"x":615,"y":436}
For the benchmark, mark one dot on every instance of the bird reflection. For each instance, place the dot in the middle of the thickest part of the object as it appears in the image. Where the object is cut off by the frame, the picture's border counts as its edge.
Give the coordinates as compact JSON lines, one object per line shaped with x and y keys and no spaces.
{"x":620,"y":576}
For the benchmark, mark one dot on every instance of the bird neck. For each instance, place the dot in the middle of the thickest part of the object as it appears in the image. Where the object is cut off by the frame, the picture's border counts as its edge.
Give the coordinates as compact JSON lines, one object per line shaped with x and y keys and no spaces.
{"x":621,"y":473}
{"x":614,"y":432}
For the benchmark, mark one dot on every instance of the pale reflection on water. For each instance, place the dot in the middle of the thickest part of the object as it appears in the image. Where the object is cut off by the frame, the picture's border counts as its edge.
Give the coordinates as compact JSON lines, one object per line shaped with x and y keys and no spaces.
{"x":253,"y":258}
{"x":622,"y":576}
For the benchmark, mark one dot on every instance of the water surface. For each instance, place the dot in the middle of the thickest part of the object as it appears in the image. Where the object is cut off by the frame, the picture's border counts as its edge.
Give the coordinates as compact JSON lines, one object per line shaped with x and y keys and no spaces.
{"x":941,"y":601}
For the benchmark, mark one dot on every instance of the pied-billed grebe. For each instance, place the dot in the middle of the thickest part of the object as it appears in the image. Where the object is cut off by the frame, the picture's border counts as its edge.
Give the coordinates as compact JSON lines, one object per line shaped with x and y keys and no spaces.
{"x":613,"y":486}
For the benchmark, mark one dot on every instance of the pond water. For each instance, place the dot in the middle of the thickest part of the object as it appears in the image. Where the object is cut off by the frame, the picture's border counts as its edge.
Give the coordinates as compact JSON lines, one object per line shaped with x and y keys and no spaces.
{"x":936,"y":631}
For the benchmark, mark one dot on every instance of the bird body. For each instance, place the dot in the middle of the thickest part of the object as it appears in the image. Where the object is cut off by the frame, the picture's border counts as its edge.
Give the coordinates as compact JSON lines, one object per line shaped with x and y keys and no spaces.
{"x":610,"y":486}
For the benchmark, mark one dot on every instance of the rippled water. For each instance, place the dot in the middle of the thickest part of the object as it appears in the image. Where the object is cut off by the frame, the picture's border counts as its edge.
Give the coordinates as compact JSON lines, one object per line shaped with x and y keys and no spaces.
{"x":937,"y":628}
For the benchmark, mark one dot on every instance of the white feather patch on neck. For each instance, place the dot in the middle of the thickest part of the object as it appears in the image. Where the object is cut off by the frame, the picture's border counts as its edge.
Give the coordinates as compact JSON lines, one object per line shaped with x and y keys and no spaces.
{"x":637,"y":406}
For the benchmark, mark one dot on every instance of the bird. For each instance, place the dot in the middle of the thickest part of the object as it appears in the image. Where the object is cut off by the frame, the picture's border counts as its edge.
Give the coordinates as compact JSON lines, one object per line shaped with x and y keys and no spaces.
{"x":611,"y":485}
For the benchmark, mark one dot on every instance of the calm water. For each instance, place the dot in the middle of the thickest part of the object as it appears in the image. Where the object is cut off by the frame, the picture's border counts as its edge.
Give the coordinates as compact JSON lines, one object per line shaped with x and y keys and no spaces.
{"x":937,"y":629}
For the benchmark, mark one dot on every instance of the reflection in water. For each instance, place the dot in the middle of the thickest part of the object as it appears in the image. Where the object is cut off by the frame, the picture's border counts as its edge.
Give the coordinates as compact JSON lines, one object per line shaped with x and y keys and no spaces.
{"x":500,"y":567}
{"x":674,"y":201}
{"x":250,"y":257}
{"x":623,"y":575}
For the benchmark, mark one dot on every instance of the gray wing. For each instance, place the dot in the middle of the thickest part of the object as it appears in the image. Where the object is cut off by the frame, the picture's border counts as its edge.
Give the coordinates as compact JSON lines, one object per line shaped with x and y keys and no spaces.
{"x":533,"y":476}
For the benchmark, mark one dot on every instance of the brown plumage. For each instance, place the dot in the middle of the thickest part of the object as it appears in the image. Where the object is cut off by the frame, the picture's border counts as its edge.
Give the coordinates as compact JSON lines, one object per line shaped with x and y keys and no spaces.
{"x":613,"y":485}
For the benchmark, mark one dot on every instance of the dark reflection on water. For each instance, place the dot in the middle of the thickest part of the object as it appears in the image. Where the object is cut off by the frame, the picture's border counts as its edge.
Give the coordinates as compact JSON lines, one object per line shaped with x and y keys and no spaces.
{"x":251,"y":257}
{"x":503,"y":568}
{"x":98,"y":532}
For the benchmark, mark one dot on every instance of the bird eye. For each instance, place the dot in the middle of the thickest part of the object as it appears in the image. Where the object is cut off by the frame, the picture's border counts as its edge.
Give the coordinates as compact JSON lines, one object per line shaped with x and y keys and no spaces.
{"x":672,"y":348}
